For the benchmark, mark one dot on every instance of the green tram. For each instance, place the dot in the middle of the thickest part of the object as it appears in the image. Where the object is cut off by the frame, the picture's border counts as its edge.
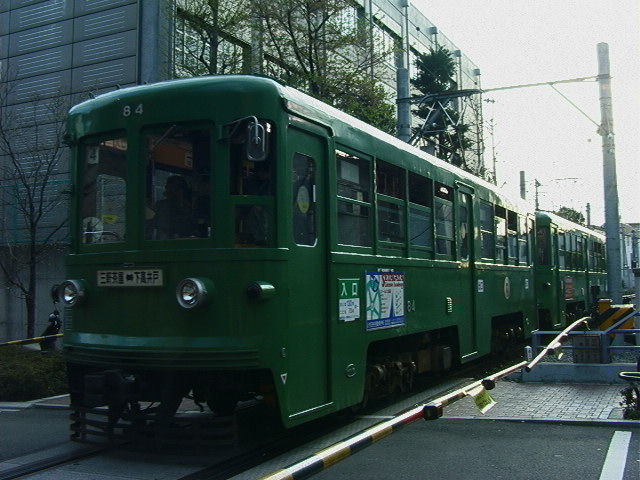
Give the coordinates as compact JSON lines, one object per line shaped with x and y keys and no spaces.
{"x":233,"y":237}
{"x":570,"y":270}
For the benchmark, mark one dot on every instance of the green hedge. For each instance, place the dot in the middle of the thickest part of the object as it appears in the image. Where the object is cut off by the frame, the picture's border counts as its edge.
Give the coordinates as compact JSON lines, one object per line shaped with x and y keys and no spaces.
{"x":30,"y":374}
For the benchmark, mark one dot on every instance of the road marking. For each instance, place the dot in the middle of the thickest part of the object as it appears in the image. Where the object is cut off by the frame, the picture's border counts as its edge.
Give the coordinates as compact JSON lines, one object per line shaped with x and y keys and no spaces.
{"x":614,"y":464}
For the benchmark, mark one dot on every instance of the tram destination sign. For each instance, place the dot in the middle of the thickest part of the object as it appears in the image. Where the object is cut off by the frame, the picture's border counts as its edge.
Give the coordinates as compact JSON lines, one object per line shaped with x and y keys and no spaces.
{"x":140,"y":277}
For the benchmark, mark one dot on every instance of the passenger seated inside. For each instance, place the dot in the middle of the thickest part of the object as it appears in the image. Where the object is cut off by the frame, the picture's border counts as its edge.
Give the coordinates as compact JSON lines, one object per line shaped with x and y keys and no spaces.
{"x":173,"y":216}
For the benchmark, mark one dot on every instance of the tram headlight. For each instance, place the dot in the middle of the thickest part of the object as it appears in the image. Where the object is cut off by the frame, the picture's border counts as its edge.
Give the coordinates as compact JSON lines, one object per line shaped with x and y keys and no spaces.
{"x":194,"y":292}
{"x":72,"y":292}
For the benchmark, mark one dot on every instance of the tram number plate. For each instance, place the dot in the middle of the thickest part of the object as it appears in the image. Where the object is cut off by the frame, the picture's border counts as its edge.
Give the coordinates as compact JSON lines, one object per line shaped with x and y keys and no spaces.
{"x":145,"y":277}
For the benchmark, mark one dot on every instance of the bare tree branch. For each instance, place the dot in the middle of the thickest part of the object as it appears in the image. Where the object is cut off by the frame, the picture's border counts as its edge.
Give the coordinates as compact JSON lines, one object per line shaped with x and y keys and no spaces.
{"x":31,"y":151}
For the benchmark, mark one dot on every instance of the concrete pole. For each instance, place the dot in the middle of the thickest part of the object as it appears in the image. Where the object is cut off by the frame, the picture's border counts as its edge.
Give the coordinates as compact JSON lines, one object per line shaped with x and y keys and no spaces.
{"x":402,"y":79}
{"x":523,"y":185}
{"x":156,"y":21}
{"x":635,"y":268}
{"x":612,"y":217}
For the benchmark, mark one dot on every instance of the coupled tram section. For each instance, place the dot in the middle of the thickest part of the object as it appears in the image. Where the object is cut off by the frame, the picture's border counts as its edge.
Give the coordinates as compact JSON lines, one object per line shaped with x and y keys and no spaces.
{"x":253,"y":241}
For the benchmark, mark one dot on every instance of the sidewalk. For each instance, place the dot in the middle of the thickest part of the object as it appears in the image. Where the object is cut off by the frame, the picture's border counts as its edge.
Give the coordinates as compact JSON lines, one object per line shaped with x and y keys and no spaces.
{"x":58,"y":401}
{"x":546,"y":402}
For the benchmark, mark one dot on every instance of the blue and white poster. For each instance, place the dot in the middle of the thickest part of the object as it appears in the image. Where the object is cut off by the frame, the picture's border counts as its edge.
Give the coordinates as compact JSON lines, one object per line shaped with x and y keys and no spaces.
{"x":385,"y":300}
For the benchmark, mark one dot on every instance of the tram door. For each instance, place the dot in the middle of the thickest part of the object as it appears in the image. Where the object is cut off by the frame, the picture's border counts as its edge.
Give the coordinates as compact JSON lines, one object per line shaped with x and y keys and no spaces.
{"x":557,"y":314}
{"x":468,"y":334}
{"x":307,"y":347}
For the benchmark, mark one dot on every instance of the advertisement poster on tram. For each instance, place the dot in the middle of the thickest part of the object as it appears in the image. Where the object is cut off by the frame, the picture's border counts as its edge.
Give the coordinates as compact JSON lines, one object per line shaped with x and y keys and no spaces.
{"x":385,"y":300}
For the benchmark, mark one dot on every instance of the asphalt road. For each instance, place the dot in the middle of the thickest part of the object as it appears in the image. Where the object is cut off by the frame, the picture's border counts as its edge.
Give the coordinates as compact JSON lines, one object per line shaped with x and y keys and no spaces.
{"x":32,"y":430}
{"x":489,"y":449}
{"x":447,"y":448}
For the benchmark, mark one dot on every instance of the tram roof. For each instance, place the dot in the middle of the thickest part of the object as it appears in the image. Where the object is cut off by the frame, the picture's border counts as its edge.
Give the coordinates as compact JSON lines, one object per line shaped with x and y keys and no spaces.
{"x":343,"y":125}
{"x":569,"y":225}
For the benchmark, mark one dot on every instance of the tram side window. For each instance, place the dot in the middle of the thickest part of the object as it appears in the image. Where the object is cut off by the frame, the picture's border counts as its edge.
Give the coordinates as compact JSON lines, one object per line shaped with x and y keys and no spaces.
{"x":354,"y":200}
{"x":598,"y":257}
{"x":389,"y":180}
{"x":570,"y":250}
{"x":487,"y":239}
{"x":390,"y":186}
{"x":501,"y":234}
{"x":104,"y":191}
{"x":523,"y":243}
{"x":177,"y":200}
{"x":531,"y":231}
{"x":463,"y":231}
{"x":562,"y":250}
{"x":420,"y":211}
{"x":444,"y":219}
{"x":579,"y":253}
{"x":512,"y":236}
{"x":304,"y":192}
{"x":543,"y":247}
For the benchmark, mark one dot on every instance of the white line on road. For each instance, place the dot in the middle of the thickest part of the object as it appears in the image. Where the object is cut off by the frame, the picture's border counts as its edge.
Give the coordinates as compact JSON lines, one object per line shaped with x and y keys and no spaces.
{"x":614,"y":464}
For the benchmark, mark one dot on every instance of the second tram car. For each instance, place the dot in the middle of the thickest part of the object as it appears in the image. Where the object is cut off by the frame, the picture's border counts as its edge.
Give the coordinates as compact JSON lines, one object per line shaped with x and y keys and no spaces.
{"x":570,"y":270}
{"x":233,"y":237}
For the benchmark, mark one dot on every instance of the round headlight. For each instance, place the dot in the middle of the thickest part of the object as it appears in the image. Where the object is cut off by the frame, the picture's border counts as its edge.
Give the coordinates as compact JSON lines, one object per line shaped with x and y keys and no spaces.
{"x":72,"y":292}
{"x":193,"y":292}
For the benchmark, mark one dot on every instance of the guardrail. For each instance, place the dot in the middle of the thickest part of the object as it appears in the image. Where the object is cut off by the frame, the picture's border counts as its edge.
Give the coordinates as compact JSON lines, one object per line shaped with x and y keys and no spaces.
{"x":555,"y":344}
{"x":589,"y":346}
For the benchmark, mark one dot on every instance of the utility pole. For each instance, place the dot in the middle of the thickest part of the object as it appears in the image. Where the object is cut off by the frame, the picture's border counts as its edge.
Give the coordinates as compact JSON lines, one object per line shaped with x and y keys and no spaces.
{"x":611,"y":215}
{"x":402,"y":79}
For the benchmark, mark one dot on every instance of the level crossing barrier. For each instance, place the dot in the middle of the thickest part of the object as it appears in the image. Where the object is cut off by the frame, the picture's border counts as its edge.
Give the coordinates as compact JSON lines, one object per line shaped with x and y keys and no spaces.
{"x":428,"y":410}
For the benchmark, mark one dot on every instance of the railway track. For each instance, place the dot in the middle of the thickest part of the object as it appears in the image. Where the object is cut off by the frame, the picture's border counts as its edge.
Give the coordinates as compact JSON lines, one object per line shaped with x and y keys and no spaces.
{"x":266,"y":444}
{"x":48,"y":463}
{"x":224,"y":463}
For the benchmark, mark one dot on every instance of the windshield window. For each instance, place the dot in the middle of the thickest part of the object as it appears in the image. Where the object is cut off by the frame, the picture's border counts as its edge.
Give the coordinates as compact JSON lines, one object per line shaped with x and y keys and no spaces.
{"x":104,"y":189}
{"x":251,"y":185}
{"x":177,"y":200}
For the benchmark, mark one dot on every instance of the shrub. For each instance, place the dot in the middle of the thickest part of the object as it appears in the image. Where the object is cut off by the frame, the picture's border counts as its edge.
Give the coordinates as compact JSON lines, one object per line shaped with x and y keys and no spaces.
{"x":631,"y":402}
{"x":30,"y":374}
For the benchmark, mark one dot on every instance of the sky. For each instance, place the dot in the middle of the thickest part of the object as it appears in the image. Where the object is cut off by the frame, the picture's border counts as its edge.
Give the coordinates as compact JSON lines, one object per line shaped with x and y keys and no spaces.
{"x":520,"y":42}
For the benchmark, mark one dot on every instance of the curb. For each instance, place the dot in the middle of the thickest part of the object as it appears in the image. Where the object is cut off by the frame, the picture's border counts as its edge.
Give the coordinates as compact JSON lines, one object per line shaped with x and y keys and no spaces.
{"x":37,"y":403}
{"x":604,"y":422}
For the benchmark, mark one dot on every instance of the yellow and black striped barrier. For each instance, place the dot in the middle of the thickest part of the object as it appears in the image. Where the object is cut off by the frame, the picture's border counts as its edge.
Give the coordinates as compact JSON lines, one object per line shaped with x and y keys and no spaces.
{"x":609,"y":315}
{"x":27,"y":341}
{"x":430,"y":410}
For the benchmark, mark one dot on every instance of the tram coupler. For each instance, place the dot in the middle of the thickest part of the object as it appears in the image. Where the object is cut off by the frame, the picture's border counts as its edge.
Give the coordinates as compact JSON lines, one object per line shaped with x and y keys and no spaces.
{"x":109,"y":387}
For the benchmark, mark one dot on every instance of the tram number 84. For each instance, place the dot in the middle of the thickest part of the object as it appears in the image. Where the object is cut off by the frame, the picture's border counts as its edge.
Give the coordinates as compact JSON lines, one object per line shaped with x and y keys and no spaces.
{"x":128,"y":110}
